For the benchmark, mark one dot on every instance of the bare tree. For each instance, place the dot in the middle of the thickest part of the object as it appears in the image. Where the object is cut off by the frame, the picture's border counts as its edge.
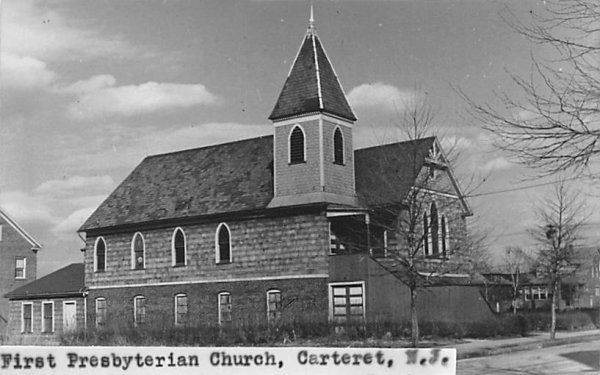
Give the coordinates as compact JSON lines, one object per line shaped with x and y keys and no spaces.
{"x":556,"y":125}
{"x":515,"y":262}
{"x":426,"y":229}
{"x":561,"y":216}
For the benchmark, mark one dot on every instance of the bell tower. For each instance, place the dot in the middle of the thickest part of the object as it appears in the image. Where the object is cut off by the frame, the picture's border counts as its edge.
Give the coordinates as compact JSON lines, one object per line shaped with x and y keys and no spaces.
{"x":312,"y":120}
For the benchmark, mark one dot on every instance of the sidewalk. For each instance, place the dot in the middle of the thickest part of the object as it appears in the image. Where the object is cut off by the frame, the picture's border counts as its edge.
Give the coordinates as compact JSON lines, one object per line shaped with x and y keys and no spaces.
{"x":481,"y":348}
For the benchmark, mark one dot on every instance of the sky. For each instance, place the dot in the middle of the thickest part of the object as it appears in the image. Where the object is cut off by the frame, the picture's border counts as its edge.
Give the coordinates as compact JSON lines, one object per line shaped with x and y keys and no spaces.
{"x":89,"y":88}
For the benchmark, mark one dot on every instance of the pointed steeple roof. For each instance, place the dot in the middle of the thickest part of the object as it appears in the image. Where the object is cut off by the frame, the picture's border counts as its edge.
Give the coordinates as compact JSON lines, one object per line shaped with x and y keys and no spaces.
{"x":312,"y":85}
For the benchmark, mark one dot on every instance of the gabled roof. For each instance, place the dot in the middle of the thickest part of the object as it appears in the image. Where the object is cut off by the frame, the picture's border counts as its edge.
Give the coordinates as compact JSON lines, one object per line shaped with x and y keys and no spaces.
{"x":312,"y":85}
{"x":223,"y":178}
{"x":385,"y":174}
{"x":34,"y":244}
{"x":67,"y":281}
{"x":238,"y":176}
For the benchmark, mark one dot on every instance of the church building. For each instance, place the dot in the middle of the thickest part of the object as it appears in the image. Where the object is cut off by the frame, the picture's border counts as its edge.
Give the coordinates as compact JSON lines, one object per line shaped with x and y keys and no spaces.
{"x":297,"y":226}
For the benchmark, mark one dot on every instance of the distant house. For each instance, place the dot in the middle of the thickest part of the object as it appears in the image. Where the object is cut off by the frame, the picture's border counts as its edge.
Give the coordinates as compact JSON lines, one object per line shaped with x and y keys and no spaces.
{"x":281,"y":227}
{"x":18,"y":261}
{"x":48,"y":307}
{"x":579,"y":289}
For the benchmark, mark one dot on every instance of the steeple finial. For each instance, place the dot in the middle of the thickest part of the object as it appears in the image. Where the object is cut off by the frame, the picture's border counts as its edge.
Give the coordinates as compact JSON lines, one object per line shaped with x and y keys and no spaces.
{"x":311,"y":21}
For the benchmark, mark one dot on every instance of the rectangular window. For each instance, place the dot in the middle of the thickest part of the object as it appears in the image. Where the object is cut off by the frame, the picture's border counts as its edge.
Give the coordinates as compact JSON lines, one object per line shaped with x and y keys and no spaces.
{"x":20,"y":267}
{"x":139,"y":310}
{"x":347,"y":303}
{"x":27,"y":317}
{"x":48,"y":317}
{"x":273,"y":306}
{"x":181,"y":309}
{"x":224,"y":308}
{"x":597,"y":292}
{"x":100,"y":312}
{"x":527,"y":294}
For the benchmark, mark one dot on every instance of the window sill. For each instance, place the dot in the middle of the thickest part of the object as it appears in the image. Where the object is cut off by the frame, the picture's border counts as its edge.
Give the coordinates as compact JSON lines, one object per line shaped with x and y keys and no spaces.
{"x":339,"y":163}
{"x":223,"y":263}
{"x":179,"y":265}
{"x":20,"y":278}
{"x":99,"y":271}
{"x":297,"y":162}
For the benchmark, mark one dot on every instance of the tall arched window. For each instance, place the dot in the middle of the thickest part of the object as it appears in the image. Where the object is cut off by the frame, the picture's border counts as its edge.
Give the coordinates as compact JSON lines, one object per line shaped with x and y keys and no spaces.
{"x":435,"y":230}
{"x":223,"y":244}
{"x":100,"y":255}
{"x":338,"y":146}
{"x":426,"y":234}
{"x":444,"y":239}
{"x":138,"y":250}
{"x":179,"y":248}
{"x":297,"y":145}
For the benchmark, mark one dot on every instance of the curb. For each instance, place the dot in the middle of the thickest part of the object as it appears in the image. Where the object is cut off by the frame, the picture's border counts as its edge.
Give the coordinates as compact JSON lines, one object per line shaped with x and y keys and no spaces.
{"x":537,"y":344}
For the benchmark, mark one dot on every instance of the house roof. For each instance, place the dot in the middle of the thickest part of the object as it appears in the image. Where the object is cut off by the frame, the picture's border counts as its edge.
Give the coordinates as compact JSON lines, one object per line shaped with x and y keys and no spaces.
{"x":236,"y":177}
{"x":34,"y":244}
{"x":312,"y":85}
{"x":68,"y":280}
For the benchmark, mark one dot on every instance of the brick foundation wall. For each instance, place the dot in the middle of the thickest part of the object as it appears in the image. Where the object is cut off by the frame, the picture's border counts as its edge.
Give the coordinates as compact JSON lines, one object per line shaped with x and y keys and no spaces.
{"x":301,"y":299}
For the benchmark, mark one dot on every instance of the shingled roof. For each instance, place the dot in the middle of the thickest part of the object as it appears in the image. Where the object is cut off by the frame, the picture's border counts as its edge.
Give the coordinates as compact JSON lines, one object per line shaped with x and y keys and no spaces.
{"x":238,"y":176}
{"x":384,"y":174}
{"x":67,"y":281}
{"x":312,"y":85}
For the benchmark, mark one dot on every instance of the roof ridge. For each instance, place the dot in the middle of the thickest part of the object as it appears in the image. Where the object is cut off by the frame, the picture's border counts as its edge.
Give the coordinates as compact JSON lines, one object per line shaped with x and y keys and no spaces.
{"x":209,"y":146}
{"x":397,"y":143}
{"x":28,"y":237}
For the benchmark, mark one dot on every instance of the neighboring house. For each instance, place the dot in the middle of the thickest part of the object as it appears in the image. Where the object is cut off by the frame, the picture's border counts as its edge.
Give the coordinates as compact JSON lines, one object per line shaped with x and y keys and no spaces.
{"x":274,"y":228}
{"x":48,"y":307}
{"x":18,"y":261}
{"x":580,"y":289}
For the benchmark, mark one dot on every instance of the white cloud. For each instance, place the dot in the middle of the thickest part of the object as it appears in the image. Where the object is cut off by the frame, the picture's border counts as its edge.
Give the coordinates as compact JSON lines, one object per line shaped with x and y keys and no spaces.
{"x":381,"y":96}
{"x":495,"y":164}
{"x":24,"y":207}
{"x":32,"y":28}
{"x":99,"y":97}
{"x":91,"y":84}
{"x":74,"y":221}
{"x":24,"y":72}
{"x":75,"y":184}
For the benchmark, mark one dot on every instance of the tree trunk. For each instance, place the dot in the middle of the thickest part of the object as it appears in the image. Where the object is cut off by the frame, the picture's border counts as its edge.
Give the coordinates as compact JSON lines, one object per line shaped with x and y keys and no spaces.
{"x":413,"y":318}
{"x":554,"y":302}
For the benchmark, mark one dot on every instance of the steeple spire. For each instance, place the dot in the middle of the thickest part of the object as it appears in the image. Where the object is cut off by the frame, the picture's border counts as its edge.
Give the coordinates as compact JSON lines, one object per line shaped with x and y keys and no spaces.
{"x":311,"y":21}
{"x":312,"y":85}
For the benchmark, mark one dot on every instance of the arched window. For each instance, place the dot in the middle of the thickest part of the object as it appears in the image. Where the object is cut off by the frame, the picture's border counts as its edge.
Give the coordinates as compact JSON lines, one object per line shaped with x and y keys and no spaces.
{"x":445,"y":236}
{"x":178,"y":248}
{"x":297,"y":145}
{"x":138,"y":251}
{"x":338,"y":146}
{"x":435,"y":230}
{"x":223,"y":244}
{"x":426,"y":236}
{"x":100,"y":255}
